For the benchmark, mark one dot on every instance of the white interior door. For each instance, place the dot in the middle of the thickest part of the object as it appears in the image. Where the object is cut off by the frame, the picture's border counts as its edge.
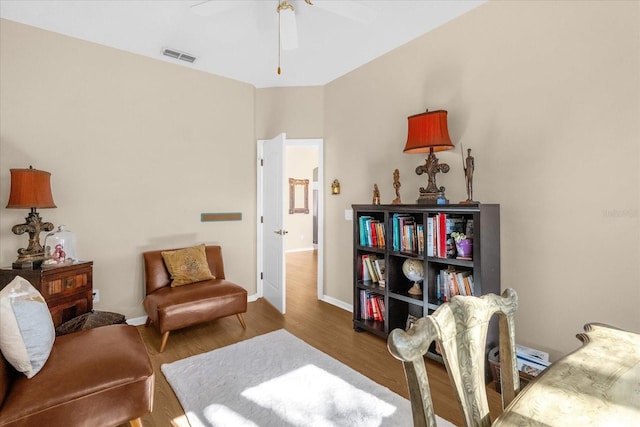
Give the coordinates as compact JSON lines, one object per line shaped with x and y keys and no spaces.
{"x":273,"y":232}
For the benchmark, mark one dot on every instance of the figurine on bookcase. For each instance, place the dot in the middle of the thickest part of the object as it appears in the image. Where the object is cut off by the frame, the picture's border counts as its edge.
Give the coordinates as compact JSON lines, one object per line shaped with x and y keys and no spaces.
{"x":396,"y":185}
{"x":469,"y":166}
{"x":376,"y":195}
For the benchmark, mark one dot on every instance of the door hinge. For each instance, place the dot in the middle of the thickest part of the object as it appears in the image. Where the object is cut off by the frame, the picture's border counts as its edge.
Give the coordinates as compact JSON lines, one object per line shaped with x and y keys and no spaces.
{"x":261,"y":276}
{"x":261,"y":162}
{"x":261,"y":220}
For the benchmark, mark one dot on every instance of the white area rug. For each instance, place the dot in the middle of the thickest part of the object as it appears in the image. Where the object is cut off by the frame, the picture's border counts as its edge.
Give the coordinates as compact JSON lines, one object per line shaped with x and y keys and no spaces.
{"x":278,"y":380}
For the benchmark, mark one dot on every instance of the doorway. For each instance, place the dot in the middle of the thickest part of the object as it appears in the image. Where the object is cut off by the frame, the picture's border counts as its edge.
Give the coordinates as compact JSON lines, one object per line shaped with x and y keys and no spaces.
{"x":299,"y":181}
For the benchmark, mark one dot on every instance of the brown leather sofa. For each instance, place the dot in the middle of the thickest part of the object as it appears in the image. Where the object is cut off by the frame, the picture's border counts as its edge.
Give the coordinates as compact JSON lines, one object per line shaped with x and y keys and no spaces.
{"x":178,"y":307}
{"x":95,"y":377}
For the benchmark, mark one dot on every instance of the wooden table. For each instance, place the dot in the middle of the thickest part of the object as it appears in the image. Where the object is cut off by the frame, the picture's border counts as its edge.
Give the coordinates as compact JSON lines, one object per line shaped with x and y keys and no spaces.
{"x":597,"y":385}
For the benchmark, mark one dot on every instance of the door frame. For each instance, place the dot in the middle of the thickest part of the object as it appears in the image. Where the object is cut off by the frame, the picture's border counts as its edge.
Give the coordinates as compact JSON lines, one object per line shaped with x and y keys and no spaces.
{"x":317,"y":143}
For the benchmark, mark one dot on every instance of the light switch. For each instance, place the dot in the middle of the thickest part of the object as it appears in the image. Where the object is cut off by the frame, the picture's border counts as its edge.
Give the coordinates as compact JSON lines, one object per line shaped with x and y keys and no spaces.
{"x":348,"y":215}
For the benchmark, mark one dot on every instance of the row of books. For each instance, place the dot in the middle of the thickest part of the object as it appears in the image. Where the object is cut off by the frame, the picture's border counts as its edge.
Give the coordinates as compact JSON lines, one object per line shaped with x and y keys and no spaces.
{"x":408,"y":236}
{"x":439,"y":228}
{"x":451,"y":282}
{"x":371,"y":306}
{"x":373,"y":269}
{"x":371,"y":231}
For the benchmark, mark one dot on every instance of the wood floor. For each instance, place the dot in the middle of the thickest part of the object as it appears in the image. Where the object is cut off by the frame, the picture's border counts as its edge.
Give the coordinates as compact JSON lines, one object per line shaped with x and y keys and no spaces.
{"x":321,"y":325}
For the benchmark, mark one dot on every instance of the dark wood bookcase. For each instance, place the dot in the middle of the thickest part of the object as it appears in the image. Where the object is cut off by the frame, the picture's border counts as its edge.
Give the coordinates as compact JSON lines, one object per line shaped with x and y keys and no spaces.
{"x":398,"y":303}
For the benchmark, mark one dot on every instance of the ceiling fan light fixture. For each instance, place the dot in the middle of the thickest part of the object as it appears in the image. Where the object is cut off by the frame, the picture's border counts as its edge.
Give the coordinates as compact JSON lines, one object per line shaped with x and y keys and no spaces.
{"x":288,"y":29}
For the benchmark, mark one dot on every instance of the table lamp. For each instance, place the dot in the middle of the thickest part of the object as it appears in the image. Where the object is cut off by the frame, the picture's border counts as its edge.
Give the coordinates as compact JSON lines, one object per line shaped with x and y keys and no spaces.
{"x":31,"y":189}
{"x":428,"y":133}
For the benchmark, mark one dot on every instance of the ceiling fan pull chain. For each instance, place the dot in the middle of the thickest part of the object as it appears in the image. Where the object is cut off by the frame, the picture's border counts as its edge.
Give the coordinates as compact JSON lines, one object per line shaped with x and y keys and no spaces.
{"x":279,"y":47}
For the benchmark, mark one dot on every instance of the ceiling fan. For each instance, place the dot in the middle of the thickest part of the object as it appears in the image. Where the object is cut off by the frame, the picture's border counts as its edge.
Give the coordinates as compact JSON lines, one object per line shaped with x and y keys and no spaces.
{"x":287,"y":23}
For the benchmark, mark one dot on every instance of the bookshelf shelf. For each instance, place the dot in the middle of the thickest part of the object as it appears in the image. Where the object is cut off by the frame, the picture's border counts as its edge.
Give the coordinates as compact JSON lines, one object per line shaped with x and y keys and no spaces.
{"x":420,"y":232}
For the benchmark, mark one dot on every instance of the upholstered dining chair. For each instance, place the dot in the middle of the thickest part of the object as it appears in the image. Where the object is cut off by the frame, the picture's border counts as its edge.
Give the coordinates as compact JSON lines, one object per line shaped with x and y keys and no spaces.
{"x":460,"y":327}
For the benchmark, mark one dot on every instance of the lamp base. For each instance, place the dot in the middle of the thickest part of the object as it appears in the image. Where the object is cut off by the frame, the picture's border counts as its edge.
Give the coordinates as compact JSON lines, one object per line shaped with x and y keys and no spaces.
{"x":432,"y":198}
{"x":29,"y":262}
{"x":33,"y":255}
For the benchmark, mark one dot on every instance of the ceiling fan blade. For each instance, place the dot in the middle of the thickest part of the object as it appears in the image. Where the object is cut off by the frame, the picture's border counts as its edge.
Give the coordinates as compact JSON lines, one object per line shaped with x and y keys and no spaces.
{"x":353,"y":10}
{"x":288,"y":29}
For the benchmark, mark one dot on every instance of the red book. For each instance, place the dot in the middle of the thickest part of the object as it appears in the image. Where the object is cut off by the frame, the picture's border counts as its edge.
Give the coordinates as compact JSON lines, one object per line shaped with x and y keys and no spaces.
{"x":442,"y":235}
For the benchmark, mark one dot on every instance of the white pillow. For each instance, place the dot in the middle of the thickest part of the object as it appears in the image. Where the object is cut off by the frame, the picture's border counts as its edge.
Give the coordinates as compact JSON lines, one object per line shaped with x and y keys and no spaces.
{"x":26,"y":328}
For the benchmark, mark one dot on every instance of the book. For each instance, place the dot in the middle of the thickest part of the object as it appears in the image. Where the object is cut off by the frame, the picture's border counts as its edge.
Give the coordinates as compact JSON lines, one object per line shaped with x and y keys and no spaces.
{"x":456,"y":224}
{"x":463,"y":284}
{"x":420,"y":238}
{"x":375,"y":308}
{"x":379,"y":265}
{"x":362,"y":226}
{"x":467,"y":285}
{"x":430,"y":236}
{"x":382,"y":306}
{"x":442,"y":235}
{"x":398,"y":221}
{"x":380,"y":234}
{"x":372,"y":271}
{"x":366,"y":276}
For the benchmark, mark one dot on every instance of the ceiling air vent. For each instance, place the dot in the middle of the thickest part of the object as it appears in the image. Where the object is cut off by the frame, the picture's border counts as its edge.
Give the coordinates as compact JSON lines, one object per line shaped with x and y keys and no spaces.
{"x":178,"y":55}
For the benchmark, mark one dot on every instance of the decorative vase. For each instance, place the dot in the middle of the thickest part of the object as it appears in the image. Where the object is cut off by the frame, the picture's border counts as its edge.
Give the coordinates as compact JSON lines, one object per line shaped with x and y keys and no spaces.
{"x":465,"y":249}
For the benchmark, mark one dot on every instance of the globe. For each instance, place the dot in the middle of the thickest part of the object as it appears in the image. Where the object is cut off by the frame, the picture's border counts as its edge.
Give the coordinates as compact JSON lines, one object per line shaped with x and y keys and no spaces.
{"x":413,"y":270}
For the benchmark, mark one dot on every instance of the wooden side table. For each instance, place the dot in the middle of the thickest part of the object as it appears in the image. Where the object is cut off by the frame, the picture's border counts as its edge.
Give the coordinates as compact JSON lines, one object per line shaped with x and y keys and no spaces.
{"x":67,"y":289}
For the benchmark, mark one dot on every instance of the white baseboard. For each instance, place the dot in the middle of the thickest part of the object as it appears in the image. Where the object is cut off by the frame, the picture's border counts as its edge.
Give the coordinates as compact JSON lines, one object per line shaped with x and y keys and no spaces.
{"x":337,"y":303}
{"x":300,"y":250}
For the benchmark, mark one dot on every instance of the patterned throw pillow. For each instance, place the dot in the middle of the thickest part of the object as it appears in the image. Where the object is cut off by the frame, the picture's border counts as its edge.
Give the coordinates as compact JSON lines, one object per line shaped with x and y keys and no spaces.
{"x":26,"y":328}
{"x":188,"y":265}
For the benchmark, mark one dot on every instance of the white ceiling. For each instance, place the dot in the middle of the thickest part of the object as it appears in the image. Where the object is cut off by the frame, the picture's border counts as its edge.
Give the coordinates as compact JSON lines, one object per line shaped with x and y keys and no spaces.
{"x":239,"y":38}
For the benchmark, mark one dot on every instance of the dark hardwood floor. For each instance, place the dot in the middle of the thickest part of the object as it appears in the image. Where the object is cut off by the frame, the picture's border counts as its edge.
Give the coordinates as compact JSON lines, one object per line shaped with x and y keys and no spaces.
{"x":322,"y":325}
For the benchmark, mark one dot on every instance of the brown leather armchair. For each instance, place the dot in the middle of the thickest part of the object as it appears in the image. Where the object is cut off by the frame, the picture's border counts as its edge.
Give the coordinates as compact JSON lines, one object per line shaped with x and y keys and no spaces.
{"x":175,"y":308}
{"x":95,"y":377}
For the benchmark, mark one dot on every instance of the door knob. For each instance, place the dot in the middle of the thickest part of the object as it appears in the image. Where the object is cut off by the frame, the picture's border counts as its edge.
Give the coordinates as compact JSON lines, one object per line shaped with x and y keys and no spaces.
{"x":281,"y":232}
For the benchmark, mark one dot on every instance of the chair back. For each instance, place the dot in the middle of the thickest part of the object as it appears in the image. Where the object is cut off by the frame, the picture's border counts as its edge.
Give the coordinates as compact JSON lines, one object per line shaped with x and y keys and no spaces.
{"x":460,"y":327}
{"x":157,"y":276}
{"x":410,"y":347}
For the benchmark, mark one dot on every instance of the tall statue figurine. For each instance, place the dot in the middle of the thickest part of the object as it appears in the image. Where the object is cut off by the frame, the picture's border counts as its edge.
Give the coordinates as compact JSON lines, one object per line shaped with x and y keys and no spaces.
{"x":469,"y":165}
{"x":376,"y":195}
{"x":396,"y":185}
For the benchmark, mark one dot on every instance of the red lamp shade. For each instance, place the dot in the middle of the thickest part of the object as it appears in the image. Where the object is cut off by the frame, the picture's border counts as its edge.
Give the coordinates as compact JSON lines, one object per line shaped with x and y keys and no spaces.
{"x":428,"y":131}
{"x":30,"y":188}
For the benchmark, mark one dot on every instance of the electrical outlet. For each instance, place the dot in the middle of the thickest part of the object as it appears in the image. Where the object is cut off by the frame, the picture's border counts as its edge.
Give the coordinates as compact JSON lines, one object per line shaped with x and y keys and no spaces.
{"x":96,"y":295}
{"x":348,"y":215}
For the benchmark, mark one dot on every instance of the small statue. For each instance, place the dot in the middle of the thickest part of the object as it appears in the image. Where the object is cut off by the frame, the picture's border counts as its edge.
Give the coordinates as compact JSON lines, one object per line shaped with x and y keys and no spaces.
{"x":469,"y":166}
{"x":376,"y":195}
{"x":396,"y":185}
{"x":59,"y":254}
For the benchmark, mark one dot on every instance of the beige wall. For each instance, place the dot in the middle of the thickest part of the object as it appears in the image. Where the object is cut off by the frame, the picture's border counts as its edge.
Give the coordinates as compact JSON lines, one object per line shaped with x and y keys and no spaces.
{"x":547,"y":95}
{"x":301,"y":161}
{"x":137,"y":148}
{"x":296,"y":111}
